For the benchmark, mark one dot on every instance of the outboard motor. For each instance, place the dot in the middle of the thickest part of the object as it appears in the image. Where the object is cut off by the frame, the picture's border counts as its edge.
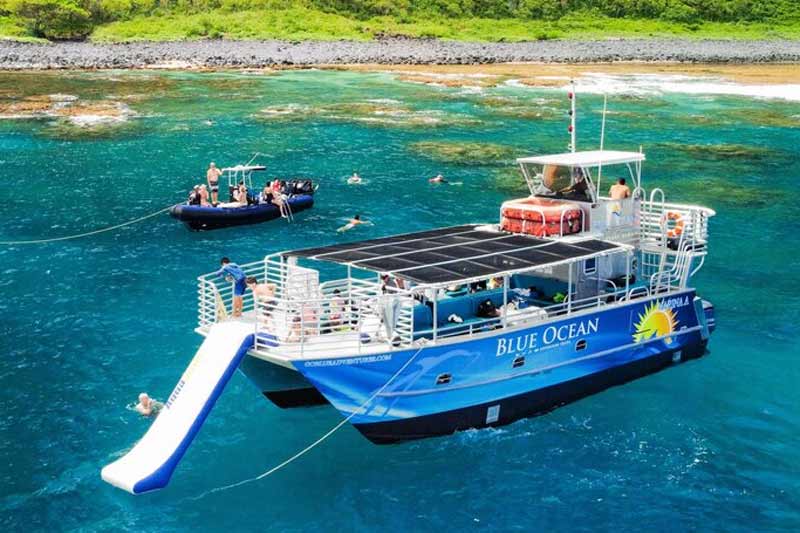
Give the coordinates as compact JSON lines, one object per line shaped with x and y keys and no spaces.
{"x":302,"y":186}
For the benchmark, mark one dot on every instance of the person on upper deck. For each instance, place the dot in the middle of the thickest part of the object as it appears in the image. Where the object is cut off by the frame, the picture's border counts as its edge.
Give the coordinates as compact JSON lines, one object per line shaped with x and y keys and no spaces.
{"x":264,"y":294}
{"x":579,"y":190}
{"x":619,"y":191}
{"x":234,"y":273}
{"x":212,"y":176}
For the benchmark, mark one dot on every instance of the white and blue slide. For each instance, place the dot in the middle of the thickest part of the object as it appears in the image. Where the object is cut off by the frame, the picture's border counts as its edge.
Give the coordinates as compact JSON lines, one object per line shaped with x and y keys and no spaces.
{"x":150,"y":463}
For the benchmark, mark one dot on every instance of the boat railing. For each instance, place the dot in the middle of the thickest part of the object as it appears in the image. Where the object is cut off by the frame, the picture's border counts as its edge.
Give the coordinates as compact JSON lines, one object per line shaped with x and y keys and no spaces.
{"x":658,"y":218}
{"x":215,"y":296}
{"x":356,"y":316}
{"x":673,"y":239}
{"x":305,"y":316}
{"x":533,"y":314}
{"x":330,"y":324}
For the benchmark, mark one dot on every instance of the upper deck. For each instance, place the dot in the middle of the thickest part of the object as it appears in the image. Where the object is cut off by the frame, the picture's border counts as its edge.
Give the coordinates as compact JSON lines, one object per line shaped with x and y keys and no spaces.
{"x":387,"y":300}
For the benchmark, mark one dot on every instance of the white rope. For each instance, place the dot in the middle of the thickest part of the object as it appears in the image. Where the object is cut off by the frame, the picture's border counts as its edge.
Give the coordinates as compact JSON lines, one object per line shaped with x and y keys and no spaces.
{"x":95,"y":232}
{"x":317,"y":442}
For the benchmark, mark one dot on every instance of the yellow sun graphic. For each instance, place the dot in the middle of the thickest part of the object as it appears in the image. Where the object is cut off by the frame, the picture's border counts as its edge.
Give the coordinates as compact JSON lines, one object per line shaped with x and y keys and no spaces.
{"x":655,"y":322}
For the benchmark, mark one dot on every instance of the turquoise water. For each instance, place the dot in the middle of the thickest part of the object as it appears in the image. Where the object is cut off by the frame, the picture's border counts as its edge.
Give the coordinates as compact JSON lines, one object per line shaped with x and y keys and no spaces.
{"x":712,"y":445}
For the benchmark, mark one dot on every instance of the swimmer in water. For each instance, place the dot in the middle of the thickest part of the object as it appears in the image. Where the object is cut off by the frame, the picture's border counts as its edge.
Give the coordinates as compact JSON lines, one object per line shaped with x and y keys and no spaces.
{"x":147,"y":406}
{"x":355,"y":179}
{"x":355,"y":221}
{"x":437,"y":179}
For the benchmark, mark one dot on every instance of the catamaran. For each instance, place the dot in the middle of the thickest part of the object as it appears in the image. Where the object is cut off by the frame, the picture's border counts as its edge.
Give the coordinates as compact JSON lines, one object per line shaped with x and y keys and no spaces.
{"x":427,"y":333}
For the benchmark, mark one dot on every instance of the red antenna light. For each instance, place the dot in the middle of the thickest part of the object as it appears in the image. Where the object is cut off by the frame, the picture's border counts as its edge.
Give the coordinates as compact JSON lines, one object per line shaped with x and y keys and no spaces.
{"x":569,"y":128}
{"x":570,"y":95}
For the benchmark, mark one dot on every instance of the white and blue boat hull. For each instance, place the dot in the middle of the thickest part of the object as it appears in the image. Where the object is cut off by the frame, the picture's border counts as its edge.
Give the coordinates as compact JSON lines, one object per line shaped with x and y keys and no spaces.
{"x":494,"y":379}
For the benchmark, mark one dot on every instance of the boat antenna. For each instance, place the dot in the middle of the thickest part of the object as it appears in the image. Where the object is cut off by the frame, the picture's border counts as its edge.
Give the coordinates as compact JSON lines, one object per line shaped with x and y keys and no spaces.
{"x":602,"y":139}
{"x":253,"y":158}
{"x":571,"y":128}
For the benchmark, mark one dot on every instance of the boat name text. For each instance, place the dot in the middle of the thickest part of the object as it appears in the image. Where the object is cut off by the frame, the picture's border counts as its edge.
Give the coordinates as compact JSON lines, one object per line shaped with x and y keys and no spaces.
{"x":550,"y":335}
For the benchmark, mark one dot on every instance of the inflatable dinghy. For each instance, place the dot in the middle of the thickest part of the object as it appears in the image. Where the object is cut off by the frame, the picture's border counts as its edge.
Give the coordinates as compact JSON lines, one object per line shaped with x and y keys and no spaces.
{"x":299,"y":196}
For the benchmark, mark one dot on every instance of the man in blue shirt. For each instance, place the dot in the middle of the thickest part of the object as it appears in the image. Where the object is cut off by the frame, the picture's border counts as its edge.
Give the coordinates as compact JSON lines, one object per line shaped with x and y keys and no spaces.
{"x":234,"y":273}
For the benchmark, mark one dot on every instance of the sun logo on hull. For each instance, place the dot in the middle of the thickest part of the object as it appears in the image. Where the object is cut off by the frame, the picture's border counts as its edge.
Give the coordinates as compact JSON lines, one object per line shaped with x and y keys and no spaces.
{"x":655,"y":322}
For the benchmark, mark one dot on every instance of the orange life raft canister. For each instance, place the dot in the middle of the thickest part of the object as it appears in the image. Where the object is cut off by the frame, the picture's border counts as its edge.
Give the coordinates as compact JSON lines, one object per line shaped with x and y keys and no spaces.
{"x":541,"y":217}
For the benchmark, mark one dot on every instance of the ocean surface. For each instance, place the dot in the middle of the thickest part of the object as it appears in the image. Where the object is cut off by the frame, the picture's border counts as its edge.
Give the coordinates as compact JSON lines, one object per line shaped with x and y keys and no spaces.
{"x":711,"y":445}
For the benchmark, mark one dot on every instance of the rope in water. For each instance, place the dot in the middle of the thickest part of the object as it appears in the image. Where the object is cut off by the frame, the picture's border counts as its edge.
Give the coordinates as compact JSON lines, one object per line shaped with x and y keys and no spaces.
{"x":317,"y":442}
{"x":88,"y":233}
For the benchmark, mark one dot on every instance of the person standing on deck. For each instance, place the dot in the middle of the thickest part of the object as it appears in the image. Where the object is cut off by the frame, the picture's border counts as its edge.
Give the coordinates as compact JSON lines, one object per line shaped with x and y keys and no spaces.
{"x":619,"y":191}
{"x":212,"y":176}
{"x":234,"y":273}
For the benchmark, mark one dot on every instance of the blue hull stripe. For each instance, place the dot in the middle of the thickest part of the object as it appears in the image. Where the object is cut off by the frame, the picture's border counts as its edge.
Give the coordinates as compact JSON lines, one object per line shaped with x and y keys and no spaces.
{"x":511,"y":409}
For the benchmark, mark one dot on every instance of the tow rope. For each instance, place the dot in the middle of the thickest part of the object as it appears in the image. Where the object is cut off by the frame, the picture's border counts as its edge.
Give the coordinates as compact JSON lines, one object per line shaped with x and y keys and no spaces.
{"x":88,"y":233}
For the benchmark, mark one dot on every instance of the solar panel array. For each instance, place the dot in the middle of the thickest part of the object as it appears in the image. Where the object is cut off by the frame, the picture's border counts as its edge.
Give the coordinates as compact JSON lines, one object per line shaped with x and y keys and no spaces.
{"x":450,"y":255}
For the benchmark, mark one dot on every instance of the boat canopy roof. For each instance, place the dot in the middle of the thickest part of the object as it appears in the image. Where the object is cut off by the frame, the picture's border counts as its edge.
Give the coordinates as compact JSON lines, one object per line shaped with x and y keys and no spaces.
{"x":244,"y":168}
{"x":457,"y":254}
{"x":592,"y":158}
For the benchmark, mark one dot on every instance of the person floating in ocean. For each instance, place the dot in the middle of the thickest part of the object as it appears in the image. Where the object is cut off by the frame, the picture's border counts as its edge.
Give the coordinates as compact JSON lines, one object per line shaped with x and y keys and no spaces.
{"x":212,"y":176}
{"x":234,"y":273}
{"x":355,"y":221}
{"x":148,"y":406}
{"x":355,"y":179}
{"x":438,"y":178}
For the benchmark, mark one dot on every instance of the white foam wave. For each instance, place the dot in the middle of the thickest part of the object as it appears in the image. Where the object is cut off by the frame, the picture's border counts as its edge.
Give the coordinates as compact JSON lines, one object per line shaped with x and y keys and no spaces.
{"x":657,"y":84}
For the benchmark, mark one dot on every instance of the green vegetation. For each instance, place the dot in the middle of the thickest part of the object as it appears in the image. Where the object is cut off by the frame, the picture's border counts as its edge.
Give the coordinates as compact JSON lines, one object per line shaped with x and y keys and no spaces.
{"x":487,"y":20}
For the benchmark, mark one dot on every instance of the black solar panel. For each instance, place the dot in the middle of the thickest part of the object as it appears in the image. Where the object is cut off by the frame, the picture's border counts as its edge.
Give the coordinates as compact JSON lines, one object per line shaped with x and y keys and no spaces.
{"x":450,"y":255}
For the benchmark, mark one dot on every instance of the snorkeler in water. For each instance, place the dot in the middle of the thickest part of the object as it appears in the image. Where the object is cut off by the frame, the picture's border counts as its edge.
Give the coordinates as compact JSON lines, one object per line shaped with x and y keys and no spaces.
{"x":438,"y":178}
{"x":148,"y":406}
{"x":355,"y":221}
{"x":355,"y":179}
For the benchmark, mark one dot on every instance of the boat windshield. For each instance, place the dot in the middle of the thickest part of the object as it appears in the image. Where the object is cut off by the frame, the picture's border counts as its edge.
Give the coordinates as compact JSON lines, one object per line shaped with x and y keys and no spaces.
{"x":557,"y":181}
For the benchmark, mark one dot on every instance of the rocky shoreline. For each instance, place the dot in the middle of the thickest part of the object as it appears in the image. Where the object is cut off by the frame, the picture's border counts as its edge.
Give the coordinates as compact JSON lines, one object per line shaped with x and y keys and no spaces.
{"x":259,"y":54}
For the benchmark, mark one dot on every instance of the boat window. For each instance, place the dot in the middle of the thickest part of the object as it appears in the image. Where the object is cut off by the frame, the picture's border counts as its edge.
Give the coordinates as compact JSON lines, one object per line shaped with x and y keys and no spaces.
{"x":590,"y":266}
{"x":554,"y":178}
{"x":518,"y":361}
{"x":580,"y":345}
{"x":443,"y":379}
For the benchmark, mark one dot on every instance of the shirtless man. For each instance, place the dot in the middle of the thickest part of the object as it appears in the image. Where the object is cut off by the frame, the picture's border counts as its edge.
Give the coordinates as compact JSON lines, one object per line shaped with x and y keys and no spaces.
{"x":212,"y":175}
{"x":264,"y":295}
{"x":204,"y":196}
{"x":437,"y":179}
{"x":262,"y":292}
{"x":619,"y":191}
